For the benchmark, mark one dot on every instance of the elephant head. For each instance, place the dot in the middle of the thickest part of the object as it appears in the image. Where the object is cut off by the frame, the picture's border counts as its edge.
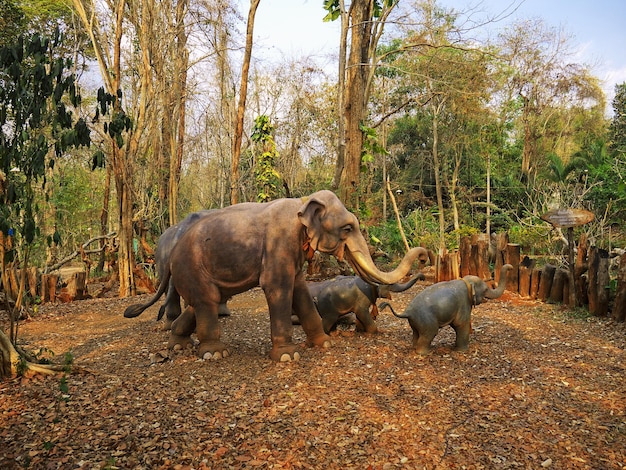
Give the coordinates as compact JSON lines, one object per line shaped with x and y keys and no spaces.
{"x":332,"y":229}
{"x":481,"y":290}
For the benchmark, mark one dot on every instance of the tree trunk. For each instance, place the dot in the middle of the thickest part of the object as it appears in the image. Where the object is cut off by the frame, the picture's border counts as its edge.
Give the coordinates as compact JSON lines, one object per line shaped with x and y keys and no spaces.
{"x":354,"y":106}
{"x":243,"y":93}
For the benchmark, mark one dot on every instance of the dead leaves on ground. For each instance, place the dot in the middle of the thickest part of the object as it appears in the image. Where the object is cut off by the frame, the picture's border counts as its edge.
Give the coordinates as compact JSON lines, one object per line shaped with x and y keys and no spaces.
{"x":537,"y":389}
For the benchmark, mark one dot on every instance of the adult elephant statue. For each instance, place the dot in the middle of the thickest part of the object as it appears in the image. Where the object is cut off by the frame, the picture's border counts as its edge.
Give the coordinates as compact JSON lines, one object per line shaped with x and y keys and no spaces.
{"x":447,"y":303}
{"x":168,"y":239}
{"x":351,"y":294}
{"x":246,"y":245}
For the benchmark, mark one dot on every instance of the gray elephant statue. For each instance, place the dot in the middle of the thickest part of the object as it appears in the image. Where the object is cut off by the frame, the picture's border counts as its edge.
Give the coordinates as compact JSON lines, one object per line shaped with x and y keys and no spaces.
{"x":447,"y":303}
{"x":351,"y":294}
{"x":245,"y":245}
{"x":171,"y":307}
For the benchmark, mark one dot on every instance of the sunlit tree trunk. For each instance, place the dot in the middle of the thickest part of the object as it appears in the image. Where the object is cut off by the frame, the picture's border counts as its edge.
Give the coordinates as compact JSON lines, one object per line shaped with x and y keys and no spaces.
{"x":243,"y":91}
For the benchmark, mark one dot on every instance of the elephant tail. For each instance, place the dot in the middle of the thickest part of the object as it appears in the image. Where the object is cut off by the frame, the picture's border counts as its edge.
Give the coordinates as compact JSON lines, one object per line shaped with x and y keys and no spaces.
{"x":384,"y":305}
{"x":137,"y":309}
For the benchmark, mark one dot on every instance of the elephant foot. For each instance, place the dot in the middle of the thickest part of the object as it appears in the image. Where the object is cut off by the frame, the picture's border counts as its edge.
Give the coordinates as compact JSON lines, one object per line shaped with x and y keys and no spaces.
{"x":323,"y":341}
{"x":167,"y":325}
{"x":213,"y":350}
{"x":461,"y":348}
{"x":285,"y":353}
{"x":179,"y":343}
{"x":423,"y":351}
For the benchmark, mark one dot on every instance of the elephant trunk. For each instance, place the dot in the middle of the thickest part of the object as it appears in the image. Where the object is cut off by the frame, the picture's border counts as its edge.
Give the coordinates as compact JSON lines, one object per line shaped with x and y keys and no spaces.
{"x":498,"y":291}
{"x":408,"y":284}
{"x":362,"y":263}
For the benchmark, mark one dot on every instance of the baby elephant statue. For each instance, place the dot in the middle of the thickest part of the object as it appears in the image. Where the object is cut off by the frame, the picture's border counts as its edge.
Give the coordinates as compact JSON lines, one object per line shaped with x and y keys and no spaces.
{"x":351,"y":294}
{"x":447,"y":303}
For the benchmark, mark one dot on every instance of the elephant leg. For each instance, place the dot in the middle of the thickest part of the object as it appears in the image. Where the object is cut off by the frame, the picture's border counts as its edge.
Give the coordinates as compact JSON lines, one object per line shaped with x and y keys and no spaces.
{"x":463,"y":327}
{"x":281,"y":305}
{"x":182,"y":327}
{"x":208,"y":331}
{"x":171,"y":307}
{"x":365,"y":322}
{"x":423,"y":334}
{"x":328,"y":314}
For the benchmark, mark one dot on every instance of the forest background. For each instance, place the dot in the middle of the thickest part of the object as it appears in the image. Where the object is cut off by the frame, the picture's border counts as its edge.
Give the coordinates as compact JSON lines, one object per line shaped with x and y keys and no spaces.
{"x":151,"y":110}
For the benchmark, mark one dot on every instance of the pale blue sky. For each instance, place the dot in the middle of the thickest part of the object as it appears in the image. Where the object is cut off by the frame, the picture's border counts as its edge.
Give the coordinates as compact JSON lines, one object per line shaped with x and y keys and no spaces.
{"x":294,"y":28}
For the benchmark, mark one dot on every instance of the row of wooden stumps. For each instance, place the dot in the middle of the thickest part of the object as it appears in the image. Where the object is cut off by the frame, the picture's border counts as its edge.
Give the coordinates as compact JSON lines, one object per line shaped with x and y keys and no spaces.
{"x":45,"y":287}
{"x":586,"y":285}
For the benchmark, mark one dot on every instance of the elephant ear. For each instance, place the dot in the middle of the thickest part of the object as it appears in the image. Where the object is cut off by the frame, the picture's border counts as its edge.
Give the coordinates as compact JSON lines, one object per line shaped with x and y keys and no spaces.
{"x":310,"y":215}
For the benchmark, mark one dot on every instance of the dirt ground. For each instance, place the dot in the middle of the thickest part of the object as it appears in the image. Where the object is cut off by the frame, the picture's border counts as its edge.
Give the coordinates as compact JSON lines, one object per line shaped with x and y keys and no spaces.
{"x":539,"y":388}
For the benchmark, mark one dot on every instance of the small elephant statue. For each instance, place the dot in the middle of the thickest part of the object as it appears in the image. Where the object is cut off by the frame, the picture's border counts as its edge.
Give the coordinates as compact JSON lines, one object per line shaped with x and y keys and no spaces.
{"x":351,"y":294}
{"x":447,"y":303}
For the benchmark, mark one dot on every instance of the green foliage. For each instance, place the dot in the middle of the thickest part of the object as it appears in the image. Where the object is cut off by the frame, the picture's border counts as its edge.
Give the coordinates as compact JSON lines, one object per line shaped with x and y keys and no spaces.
{"x":12,"y":21}
{"x":268,"y":179}
{"x":34,"y":117}
{"x":371,"y":146}
{"x":617,"y":132}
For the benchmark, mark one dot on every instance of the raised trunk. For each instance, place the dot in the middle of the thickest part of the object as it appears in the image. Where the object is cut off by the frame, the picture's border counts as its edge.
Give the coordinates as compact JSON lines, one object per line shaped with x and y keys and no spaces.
{"x":362,"y":263}
{"x":498,"y":291}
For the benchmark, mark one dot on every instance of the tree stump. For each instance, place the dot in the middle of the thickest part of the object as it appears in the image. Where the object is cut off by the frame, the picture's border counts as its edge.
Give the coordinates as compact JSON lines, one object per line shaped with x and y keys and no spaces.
{"x":447,"y":267}
{"x":545,"y":282}
{"x":77,"y":286}
{"x":526,"y":268}
{"x":619,"y":307}
{"x":49,"y":287}
{"x":33,"y":281}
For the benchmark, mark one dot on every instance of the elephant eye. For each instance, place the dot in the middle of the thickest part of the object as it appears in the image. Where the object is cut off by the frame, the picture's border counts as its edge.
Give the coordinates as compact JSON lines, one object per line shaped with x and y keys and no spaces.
{"x":346,"y":230}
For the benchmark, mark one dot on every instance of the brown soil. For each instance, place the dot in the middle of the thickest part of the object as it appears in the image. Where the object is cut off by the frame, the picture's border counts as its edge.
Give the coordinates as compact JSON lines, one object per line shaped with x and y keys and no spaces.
{"x":539,"y":388}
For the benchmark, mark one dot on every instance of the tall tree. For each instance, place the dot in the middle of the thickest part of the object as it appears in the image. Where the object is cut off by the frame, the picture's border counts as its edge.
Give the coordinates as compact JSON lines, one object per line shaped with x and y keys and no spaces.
{"x":541,"y":80}
{"x":241,"y":108}
{"x":365,"y":21}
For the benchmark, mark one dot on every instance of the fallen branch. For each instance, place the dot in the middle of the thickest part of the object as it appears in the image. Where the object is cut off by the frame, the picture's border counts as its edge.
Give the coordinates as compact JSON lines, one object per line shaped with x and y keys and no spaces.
{"x":82,"y":250}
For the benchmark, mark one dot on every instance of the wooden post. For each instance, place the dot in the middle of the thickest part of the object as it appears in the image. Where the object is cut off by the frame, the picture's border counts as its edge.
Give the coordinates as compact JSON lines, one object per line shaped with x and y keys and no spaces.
{"x":535,"y":279}
{"x":580,"y":269}
{"x":502,"y":240}
{"x":512,"y":257}
{"x":598,"y":281}
{"x":558,"y":285}
{"x":545,"y":282}
{"x":482,"y":257}
{"x":465,"y":253}
{"x":619,"y":307}
{"x":525,"y":275}
{"x":604,"y":280}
